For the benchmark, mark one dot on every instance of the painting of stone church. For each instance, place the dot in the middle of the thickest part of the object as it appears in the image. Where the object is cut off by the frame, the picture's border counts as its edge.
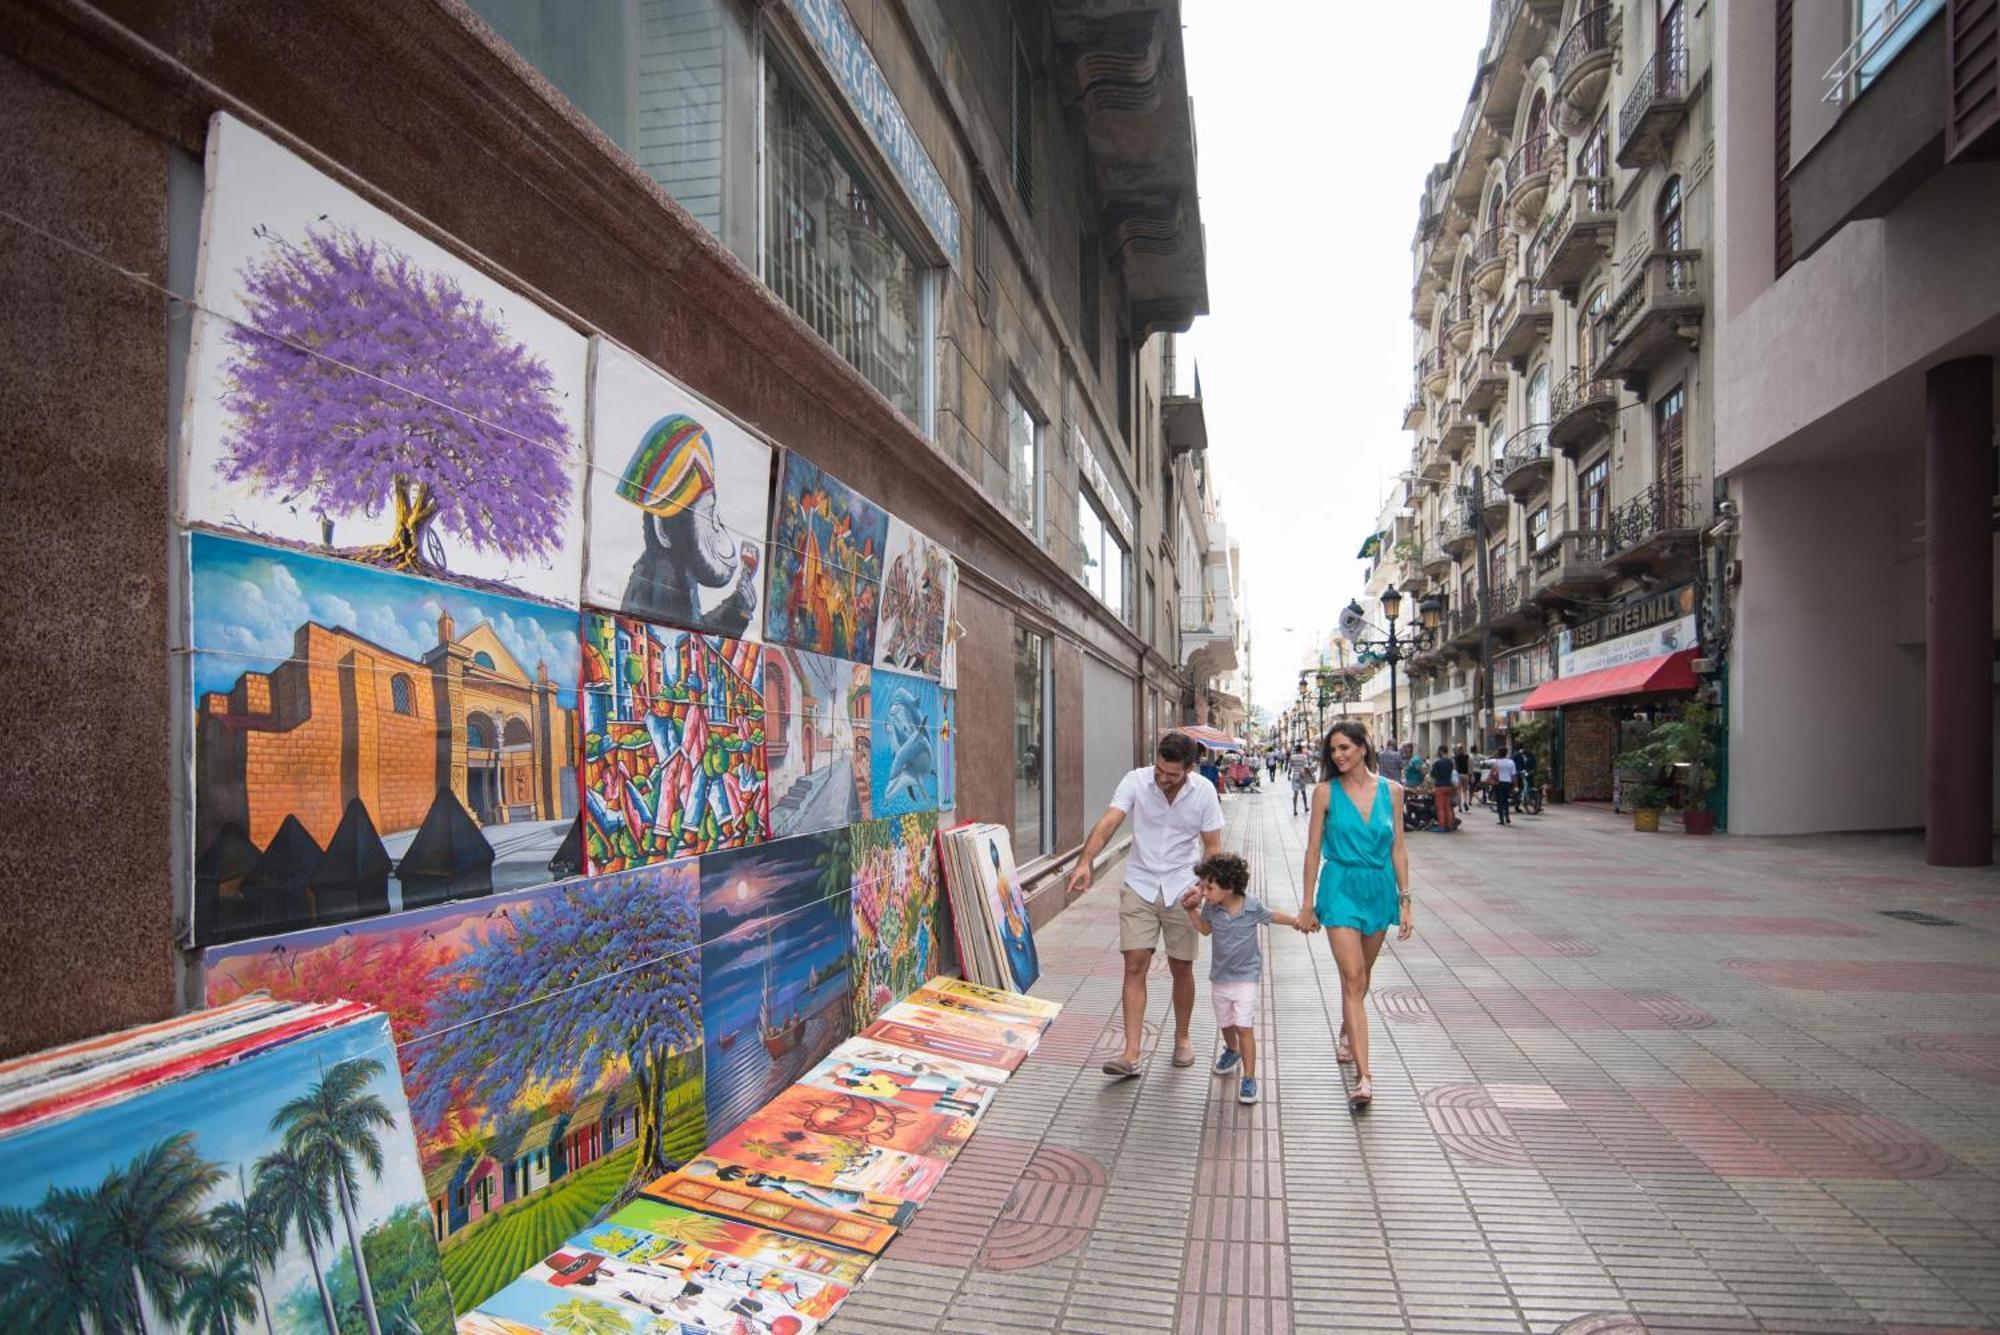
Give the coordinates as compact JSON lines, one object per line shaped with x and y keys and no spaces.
{"x":367,"y":741}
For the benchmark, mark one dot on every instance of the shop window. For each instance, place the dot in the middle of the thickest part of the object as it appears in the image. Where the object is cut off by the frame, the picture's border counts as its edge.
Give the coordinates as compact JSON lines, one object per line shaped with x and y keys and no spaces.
{"x":671,"y":83}
{"x":1032,"y":762}
{"x":833,"y":255}
{"x":1024,"y":462}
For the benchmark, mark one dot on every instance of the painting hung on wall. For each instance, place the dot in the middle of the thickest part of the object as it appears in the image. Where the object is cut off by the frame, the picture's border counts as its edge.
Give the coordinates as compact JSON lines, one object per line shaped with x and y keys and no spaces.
{"x":673,"y":743}
{"x":679,"y":503}
{"x":777,"y":941}
{"x":355,"y":389}
{"x":279,"y":1192}
{"x":549,"y":1039}
{"x":826,"y":564}
{"x":815,"y":740}
{"x":368,"y":741}
{"x":895,"y":910}
{"x":918,"y":583}
{"x":906,"y":725}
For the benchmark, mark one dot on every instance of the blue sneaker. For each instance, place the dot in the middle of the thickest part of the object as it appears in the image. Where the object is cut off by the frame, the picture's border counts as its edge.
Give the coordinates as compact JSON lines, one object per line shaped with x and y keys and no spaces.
{"x":1227,"y":1061}
{"x":1247,"y":1092}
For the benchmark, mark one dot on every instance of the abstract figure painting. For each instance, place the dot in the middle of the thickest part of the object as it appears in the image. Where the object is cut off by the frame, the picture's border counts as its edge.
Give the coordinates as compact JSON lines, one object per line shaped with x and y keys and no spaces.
{"x":826,"y":564}
{"x":356,"y":389}
{"x":815,"y":740}
{"x":918,"y":584}
{"x":906,"y":722}
{"x":777,"y":941}
{"x":895,"y":910}
{"x":549,"y":1040}
{"x":993,"y":858}
{"x":673,"y":743}
{"x":679,"y":503}
{"x":368,"y":741}
{"x":279,"y":1192}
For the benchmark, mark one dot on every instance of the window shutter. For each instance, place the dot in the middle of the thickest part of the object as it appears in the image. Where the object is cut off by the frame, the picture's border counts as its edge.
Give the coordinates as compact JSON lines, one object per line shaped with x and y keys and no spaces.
{"x":1972,"y":69}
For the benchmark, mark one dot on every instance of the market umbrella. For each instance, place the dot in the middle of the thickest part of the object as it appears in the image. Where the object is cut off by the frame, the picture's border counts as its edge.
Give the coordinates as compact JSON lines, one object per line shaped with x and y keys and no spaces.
{"x":1214,"y":738}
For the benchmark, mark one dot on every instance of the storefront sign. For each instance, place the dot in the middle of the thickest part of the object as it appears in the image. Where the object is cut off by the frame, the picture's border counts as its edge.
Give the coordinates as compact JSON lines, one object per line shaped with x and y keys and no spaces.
{"x":853,"y":67}
{"x":1651,"y":643}
{"x":1654,"y":609}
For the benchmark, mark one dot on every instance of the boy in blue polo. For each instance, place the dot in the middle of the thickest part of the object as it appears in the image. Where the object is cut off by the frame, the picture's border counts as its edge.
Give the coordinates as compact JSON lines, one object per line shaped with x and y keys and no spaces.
{"x":1233,"y":922}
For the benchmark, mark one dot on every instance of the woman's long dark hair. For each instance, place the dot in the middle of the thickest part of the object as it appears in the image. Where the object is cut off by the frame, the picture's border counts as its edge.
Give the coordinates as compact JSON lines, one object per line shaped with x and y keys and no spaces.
{"x":1354,"y":731}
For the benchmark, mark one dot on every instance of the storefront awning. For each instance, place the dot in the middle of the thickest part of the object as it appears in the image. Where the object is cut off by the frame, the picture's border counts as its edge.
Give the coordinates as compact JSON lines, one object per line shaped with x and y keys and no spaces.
{"x":1668,"y":672}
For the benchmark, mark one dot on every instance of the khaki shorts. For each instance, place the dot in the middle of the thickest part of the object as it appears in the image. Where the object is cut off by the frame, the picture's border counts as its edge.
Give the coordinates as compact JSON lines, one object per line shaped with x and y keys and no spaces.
{"x":1142,"y":923}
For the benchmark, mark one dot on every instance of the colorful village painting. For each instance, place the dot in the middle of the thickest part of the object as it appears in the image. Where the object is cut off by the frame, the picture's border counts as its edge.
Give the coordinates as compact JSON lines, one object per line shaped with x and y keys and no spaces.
{"x":446,"y":438}
{"x":816,"y":734}
{"x":896,"y":911}
{"x":549,"y":1040}
{"x":673,"y":743}
{"x":279,"y":1193}
{"x":826,"y":564}
{"x":777,"y":942}
{"x":367,"y":741}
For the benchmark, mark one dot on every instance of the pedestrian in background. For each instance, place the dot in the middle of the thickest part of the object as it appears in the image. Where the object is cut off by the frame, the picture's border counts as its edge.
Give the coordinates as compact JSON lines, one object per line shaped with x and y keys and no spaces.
{"x":1301,"y":772}
{"x":1501,"y":772}
{"x":1270,"y":767}
{"x":1444,"y":790}
{"x":1359,"y":866}
{"x":1392,"y":762}
{"x":1462,"y":761}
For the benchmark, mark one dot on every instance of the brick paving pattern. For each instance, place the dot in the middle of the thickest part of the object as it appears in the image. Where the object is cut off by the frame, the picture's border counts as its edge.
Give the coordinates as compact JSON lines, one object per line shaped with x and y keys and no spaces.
{"x":1624,"y":1083}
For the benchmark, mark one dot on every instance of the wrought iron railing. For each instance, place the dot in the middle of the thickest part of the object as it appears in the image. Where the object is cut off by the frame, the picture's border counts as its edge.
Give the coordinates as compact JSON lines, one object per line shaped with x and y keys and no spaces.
{"x":1664,"y":507}
{"x":1490,"y":247}
{"x":1457,"y":311}
{"x":1430,"y":364}
{"x":1663,"y":79}
{"x":1525,"y":448}
{"x":1590,"y":35}
{"x":1574,"y":391}
{"x":1572,"y":547}
{"x":1537,"y":153}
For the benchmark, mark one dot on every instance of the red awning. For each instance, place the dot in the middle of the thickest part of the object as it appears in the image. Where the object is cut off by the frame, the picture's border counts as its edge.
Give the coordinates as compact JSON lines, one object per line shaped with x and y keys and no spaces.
{"x":1668,"y":672}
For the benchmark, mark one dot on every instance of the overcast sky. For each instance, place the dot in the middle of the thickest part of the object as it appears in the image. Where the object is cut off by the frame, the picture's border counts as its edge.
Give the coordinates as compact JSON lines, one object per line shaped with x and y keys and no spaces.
{"x":1315,"y":125}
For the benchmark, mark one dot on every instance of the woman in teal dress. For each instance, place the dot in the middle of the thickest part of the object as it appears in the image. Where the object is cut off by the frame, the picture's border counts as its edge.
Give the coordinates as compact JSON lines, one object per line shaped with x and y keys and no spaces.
{"x":1360,"y":871}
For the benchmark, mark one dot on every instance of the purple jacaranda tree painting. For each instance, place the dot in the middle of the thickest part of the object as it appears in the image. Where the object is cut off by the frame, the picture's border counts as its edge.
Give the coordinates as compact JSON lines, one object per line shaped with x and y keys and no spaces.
{"x":359,"y":381}
{"x":598,"y":980}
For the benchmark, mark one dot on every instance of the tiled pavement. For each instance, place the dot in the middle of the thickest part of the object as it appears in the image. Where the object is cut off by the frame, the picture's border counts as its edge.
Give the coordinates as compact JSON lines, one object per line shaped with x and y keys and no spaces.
{"x":1624,"y":1083}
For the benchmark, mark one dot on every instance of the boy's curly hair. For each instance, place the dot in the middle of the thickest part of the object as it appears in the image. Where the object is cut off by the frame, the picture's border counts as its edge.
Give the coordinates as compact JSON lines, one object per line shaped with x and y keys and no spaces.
{"x":1227,"y":870}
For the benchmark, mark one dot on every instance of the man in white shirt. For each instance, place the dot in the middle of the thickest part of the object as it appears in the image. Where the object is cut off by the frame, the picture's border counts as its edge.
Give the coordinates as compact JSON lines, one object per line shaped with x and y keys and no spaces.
{"x":1501,"y":768}
{"x":1176,"y":822}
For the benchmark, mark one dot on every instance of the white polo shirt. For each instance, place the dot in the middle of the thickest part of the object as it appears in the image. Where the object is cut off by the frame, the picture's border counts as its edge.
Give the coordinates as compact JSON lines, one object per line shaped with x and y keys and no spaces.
{"x":1166,"y":836}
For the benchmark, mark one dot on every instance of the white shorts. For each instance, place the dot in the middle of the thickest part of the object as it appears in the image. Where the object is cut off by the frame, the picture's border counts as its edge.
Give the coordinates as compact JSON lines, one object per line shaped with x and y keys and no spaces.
{"x":1235,"y":1004}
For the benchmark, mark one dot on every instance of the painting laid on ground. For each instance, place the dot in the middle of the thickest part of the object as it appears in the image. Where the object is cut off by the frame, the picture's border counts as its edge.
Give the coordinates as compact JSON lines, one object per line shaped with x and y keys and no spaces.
{"x":896,"y":908}
{"x":368,"y":741}
{"x":549,"y":1041}
{"x":673,"y":743}
{"x":277,"y":1192}
{"x":919,"y":581}
{"x":777,"y":941}
{"x":679,"y":503}
{"x":826,"y":564}
{"x":356,"y":389}
{"x":907,"y":725}
{"x":815,"y":740}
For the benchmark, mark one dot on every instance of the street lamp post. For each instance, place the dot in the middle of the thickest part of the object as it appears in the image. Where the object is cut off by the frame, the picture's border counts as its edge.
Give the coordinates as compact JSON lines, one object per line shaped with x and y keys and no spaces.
{"x":1393,"y":649}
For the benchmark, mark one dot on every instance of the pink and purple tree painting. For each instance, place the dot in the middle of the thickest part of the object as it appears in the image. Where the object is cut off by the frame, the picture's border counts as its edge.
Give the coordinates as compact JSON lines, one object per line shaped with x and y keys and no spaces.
{"x":359,"y":382}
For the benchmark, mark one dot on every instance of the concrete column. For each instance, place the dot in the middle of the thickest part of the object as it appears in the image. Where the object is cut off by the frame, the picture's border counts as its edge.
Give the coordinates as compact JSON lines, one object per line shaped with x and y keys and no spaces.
{"x":1958,"y":722}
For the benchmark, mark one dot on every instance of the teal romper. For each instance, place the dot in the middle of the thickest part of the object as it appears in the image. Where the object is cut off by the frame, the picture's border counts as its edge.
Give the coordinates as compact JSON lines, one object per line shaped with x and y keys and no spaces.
{"x":1357,"y":881}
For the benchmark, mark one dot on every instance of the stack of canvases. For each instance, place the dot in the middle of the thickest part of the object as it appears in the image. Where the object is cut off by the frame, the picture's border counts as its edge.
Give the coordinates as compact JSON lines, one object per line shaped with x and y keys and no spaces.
{"x":996,"y":942}
{"x":624,"y":821}
{"x":247,"y":1168}
{"x":770,"y":1227}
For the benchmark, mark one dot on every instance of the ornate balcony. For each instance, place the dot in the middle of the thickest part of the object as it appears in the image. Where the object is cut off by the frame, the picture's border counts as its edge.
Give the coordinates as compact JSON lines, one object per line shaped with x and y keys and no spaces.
{"x":1423,"y":300}
{"x":1459,"y":323}
{"x":1654,"y":108}
{"x":1580,"y":413}
{"x":1431,"y":463}
{"x":1583,"y":65}
{"x":1462,"y":627}
{"x":1570,"y":567}
{"x":1495,"y":502}
{"x":1483,"y":385}
{"x":1527,"y":462}
{"x":1459,"y":430}
{"x":1658,"y":526}
{"x":1436,"y":561}
{"x":1413,"y":413}
{"x":1657,"y":312}
{"x":1582,"y":231}
{"x":1433,"y":371}
{"x":1490,"y":254}
{"x":1512,"y":602}
{"x":1523,"y":322}
{"x":1535,"y":166}
{"x":1458,"y":535}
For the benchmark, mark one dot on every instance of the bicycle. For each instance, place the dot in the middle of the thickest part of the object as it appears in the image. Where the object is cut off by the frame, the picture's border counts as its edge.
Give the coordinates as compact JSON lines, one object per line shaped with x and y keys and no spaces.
{"x":1532,"y":797}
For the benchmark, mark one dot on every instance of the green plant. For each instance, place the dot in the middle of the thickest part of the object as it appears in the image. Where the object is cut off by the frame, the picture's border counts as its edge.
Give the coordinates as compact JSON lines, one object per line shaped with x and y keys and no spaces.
{"x":1405,"y":551}
{"x":1684,"y":748}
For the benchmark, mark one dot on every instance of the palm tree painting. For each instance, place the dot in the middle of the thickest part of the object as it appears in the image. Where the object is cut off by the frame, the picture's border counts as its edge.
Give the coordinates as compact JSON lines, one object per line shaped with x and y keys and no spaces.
{"x":269,"y":1195}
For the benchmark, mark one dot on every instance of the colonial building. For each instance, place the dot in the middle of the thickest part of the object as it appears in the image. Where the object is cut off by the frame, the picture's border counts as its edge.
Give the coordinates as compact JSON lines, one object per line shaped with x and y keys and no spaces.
{"x":936,"y":248}
{"x":1562,"y":403}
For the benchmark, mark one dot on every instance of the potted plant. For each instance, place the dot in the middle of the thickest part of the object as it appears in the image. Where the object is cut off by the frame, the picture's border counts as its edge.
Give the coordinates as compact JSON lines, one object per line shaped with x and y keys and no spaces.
{"x":1688,"y":748}
{"x":1639,"y":786}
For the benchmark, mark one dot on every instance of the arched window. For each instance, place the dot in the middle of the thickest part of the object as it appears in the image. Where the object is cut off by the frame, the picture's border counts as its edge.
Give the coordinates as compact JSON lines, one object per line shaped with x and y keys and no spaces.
{"x":484,"y":659}
{"x":1589,"y":335}
{"x":1669,"y":213}
{"x":516,"y":733}
{"x":478,"y":732}
{"x":402,"y":697}
{"x":1533,"y":136}
{"x":1538,"y":396}
{"x":1493,"y":207}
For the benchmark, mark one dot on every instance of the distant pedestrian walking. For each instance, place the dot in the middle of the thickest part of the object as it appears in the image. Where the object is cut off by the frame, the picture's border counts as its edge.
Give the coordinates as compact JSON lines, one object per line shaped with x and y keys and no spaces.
{"x":1301,"y":772}
{"x":1501,"y":771}
{"x":1270,"y":767}
{"x":1360,"y":867}
{"x":1391,"y":762}
{"x":1444,"y":790}
{"x":1462,"y":761}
